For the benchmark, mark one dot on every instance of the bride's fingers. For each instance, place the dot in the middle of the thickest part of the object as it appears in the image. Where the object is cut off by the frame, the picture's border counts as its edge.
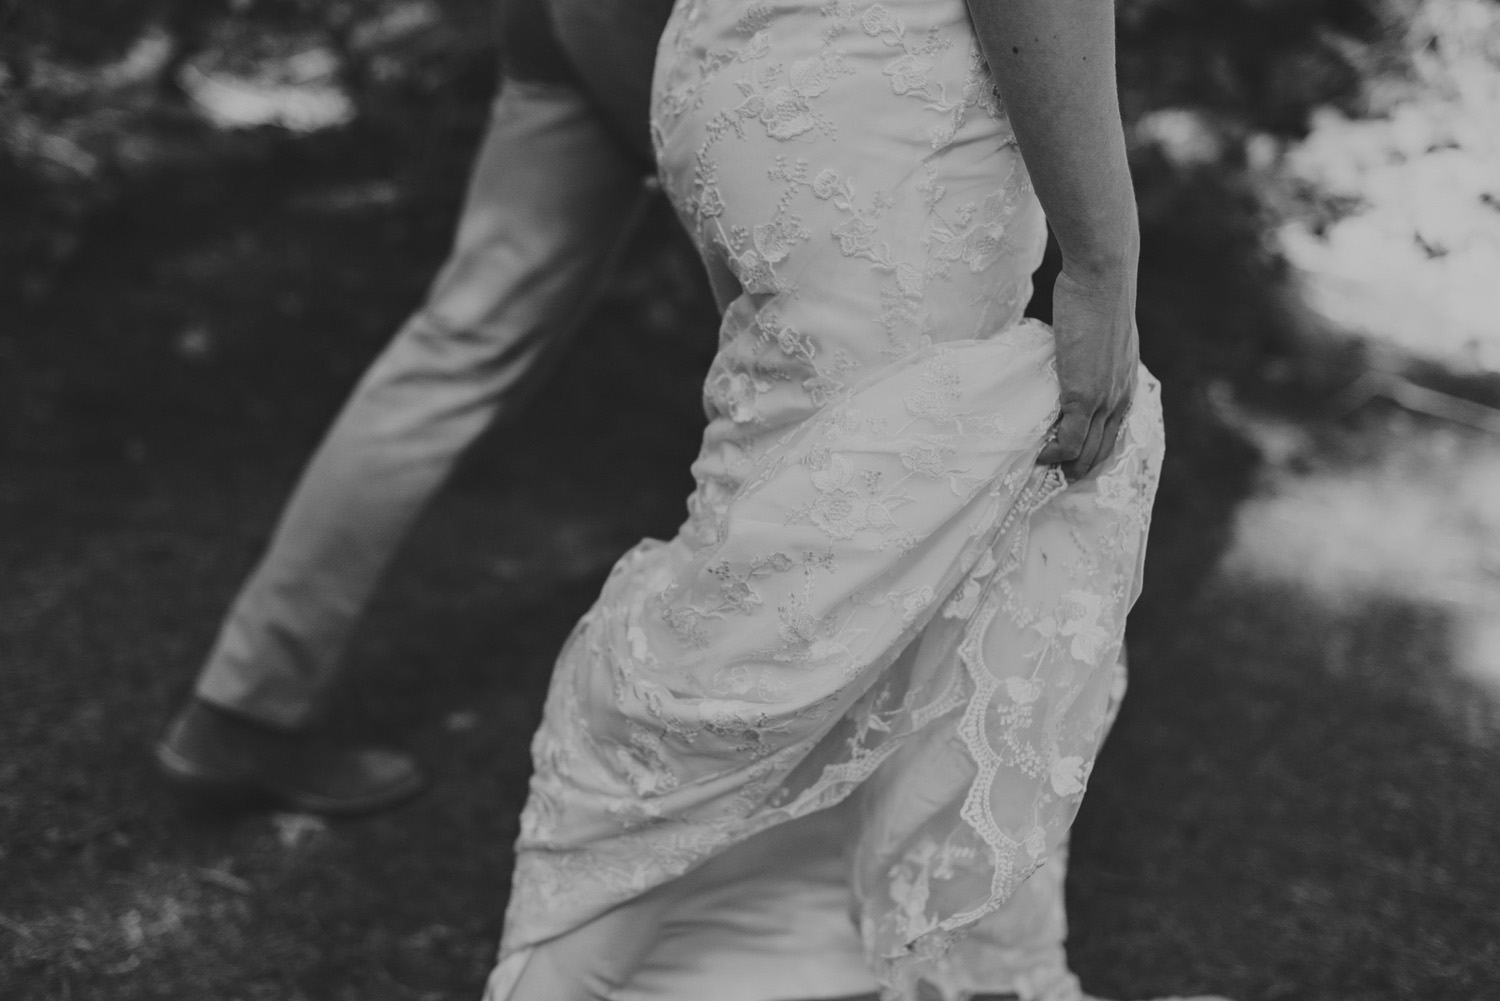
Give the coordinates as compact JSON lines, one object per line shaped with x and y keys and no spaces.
{"x":1091,"y":451}
{"x":1068,"y":437}
{"x":1099,"y":445}
{"x":1111,"y":436}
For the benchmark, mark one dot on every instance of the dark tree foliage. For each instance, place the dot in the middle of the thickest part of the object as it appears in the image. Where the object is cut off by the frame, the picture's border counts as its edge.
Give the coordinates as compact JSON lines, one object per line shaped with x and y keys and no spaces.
{"x":70,"y":131}
{"x":81,"y":31}
{"x":1265,"y":63}
{"x":1248,"y":64}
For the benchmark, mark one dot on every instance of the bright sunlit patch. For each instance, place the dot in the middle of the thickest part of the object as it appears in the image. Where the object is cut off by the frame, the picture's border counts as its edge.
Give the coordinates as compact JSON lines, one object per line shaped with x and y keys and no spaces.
{"x":1413,"y":262}
{"x":1419,"y":522}
{"x":299,"y":92}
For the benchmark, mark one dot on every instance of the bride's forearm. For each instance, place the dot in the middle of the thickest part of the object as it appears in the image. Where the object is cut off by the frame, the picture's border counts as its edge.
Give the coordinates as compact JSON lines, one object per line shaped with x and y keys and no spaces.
{"x":1054,"y":64}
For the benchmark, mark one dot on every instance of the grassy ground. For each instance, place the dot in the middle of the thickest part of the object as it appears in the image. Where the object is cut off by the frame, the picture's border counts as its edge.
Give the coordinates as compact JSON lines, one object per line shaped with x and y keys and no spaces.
{"x":1297,"y":802}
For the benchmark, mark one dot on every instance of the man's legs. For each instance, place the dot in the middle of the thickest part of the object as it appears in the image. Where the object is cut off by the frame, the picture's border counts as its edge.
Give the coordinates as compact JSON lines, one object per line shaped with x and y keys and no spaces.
{"x":552,"y":196}
{"x":549,"y":201}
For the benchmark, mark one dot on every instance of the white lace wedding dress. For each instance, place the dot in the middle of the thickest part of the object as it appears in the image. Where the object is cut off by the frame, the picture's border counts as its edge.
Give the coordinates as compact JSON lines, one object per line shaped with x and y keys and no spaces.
{"x":877,"y":591}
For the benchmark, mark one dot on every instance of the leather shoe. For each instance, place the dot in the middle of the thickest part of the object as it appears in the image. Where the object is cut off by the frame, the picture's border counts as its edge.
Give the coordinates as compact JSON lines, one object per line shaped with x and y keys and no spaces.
{"x":215,"y":758}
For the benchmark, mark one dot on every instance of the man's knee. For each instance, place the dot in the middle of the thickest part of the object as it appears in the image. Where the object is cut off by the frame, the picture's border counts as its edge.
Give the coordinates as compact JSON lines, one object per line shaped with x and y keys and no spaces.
{"x":442,"y":359}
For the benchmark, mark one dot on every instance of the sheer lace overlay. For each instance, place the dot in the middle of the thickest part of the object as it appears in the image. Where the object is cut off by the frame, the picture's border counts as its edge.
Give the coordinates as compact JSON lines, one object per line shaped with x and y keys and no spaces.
{"x":876,"y":587}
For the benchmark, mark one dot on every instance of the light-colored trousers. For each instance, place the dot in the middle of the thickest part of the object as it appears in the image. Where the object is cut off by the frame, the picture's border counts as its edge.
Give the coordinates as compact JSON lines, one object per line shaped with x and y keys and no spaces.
{"x":552,"y":199}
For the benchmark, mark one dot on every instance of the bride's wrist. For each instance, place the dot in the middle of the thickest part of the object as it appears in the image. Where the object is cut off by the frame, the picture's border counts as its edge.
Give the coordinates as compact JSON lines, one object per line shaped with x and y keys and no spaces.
{"x":1101,"y":279}
{"x":1106,"y":258}
{"x":1103,"y":270}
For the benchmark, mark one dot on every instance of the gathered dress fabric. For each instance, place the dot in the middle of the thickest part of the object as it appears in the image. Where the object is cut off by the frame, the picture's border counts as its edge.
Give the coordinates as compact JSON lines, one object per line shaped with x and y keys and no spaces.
{"x":857,"y":698}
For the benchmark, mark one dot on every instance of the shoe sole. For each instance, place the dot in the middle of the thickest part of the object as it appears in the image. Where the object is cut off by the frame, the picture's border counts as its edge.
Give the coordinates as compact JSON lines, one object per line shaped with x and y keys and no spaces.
{"x":204,"y":789}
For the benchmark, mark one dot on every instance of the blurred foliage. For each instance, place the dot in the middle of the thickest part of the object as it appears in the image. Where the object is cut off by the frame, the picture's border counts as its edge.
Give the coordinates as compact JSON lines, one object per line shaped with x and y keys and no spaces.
{"x":1263,"y":63}
{"x":1244,"y":65}
{"x":80,"y":31}
{"x":100,"y":129}
{"x":94,"y":33}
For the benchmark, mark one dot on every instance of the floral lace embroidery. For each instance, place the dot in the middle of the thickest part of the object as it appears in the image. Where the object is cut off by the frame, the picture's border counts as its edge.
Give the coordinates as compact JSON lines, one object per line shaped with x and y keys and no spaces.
{"x":872,"y":565}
